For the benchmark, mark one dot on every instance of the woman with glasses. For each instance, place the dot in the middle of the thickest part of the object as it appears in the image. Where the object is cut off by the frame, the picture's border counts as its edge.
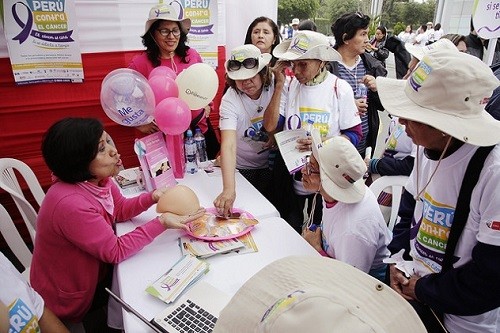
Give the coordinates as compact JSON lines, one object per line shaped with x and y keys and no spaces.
{"x":245,"y":109}
{"x":359,"y":69}
{"x":313,"y":96}
{"x":165,"y":39}
{"x":352,"y":228}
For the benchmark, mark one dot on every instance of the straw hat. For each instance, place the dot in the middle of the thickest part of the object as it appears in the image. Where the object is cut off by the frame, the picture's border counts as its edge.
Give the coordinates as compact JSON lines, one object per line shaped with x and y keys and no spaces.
{"x":448,"y":90}
{"x":316,"y":294}
{"x":307,"y":45}
{"x":167,"y":13}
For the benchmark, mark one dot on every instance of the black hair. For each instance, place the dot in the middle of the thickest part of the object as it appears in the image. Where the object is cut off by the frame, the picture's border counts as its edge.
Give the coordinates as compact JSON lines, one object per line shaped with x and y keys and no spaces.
{"x":346,"y":27}
{"x":423,"y":27}
{"x":308,"y":25}
{"x":437,"y":26}
{"x":274,"y":27}
{"x":383,"y":29}
{"x":455,"y":38}
{"x":70,"y":145}
{"x":152,"y":49}
{"x":265,"y":76}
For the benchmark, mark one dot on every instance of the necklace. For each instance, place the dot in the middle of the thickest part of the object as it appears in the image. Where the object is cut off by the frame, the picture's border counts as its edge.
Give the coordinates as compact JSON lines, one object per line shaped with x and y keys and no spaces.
{"x":257,"y":103}
{"x":353,"y":73}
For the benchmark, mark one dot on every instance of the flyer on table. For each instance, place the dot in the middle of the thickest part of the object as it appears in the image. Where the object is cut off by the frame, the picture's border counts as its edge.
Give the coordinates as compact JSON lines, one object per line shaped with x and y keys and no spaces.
{"x":42,"y":41}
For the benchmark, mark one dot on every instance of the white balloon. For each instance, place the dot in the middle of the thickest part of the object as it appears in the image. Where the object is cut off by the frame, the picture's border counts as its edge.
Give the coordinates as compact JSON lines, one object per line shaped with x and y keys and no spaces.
{"x":197,"y":85}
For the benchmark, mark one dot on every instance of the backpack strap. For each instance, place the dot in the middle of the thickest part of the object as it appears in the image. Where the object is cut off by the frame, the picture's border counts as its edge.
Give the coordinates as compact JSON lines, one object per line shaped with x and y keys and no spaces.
{"x":462,"y":208}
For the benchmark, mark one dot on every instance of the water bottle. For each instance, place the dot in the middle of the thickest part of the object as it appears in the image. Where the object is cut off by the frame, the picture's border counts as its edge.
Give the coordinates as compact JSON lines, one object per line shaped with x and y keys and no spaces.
{"x":201,"y":147}
{"x":190,"y":150}
{"x":361,"y":91}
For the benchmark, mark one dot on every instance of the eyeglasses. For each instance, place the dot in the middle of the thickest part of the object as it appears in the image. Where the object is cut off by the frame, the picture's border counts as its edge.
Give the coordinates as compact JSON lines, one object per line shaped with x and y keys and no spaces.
{"x":310,"y":170}
{"x":166,"y":32}
{"x":248,"y":63}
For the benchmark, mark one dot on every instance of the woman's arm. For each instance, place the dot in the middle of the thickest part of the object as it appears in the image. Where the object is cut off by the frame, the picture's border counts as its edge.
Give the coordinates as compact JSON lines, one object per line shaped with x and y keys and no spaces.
{"x":225,"y":200}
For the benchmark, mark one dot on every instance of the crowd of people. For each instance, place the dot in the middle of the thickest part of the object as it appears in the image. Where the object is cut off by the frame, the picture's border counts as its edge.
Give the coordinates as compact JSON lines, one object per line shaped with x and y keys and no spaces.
{"x":441,"y":137}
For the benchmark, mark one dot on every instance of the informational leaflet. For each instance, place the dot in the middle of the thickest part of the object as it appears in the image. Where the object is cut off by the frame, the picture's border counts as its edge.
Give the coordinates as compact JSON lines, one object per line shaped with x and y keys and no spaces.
{"x":42,"y":41}
{"x":185,"y":272}
{"x":287,"y":143}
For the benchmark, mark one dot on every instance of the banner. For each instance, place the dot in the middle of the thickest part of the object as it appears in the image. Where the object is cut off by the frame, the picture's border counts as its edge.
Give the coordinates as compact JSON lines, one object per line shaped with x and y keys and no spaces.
{"x":41,"y":39}
{"x":486,"y":18}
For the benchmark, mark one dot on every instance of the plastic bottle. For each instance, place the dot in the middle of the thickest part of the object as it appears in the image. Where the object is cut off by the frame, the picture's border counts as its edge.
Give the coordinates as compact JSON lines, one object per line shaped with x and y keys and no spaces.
{"x":310,"y":124}
{"x":201,"y":147}
{"x":190,"y":150}
{"x":361,"y":91}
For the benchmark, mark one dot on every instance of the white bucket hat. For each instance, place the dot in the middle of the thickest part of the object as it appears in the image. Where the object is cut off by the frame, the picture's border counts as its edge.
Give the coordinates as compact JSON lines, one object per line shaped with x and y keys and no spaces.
{"x":240,"y":54}
{"x":419,"y":51}
{"x":341,"y":168}
{"x":167,"y":13}
{"x":316,"y":294}
{"x":448,"y":91}
{"x":307,"y":45}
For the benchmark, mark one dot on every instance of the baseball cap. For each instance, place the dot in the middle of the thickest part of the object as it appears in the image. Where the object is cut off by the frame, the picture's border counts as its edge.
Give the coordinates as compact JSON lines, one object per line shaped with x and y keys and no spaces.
{"x":307,"y":45}
{"x":295,"y":21}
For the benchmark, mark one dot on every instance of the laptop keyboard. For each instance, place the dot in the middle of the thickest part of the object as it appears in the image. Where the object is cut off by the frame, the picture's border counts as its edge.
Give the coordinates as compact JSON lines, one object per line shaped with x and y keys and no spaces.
{"x":190,"y":317}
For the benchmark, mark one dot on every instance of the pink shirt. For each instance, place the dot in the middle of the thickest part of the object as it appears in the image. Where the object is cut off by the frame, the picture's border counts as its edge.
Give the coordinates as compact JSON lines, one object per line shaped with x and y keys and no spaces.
{"x":142,"y":64}
{"x":75,"y":240}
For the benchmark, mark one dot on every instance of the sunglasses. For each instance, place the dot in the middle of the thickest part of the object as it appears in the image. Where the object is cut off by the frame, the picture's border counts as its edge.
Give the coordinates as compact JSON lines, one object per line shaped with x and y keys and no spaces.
{"x":248,"y":63}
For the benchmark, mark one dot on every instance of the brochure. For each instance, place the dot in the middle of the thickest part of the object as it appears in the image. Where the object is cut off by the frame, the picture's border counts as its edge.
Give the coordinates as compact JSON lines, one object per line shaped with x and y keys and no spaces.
{"x":152,"y":153}
{"x":287,"y":142}
{"x":184,"y":273}
{"x":205,"y":249}
{"x":128,"y":177}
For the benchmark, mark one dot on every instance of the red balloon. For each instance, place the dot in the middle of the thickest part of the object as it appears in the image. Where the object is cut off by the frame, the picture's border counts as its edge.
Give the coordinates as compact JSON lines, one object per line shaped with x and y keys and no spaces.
{"x":163,"y":71}
{"x":172,"y":116}
{"x":163,"y":87}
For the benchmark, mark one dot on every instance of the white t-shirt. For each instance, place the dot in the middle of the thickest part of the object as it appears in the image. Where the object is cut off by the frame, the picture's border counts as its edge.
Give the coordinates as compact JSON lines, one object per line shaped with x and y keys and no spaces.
{"x":399,"y":141}
{"x":240,"y":113}
{"x":434,"y":213}
{"x":24,"y":303}
{"x":421,"y":39}
{"x":329,"y":104}
{"x":406,"y":37}
{"x":356,"y":233}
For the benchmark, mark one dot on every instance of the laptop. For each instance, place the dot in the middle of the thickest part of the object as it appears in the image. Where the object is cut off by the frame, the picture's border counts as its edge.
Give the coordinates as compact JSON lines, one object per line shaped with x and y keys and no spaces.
{"x":196,"y":310}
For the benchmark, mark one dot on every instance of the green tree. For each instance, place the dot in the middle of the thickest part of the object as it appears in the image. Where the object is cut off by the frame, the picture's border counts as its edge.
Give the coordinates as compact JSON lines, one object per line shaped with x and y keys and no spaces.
{"x":302,"y":9}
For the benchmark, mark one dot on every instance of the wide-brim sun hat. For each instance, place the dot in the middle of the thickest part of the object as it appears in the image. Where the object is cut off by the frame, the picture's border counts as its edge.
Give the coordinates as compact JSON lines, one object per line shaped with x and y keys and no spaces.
{"x":341,"y":168}
{"x":316,"y":294}
{"x":166,"y":13}
{"x":419,"y":51}
{"x":247,"y":51}
{"x":306,"y":45}
{"x":448,"y":90}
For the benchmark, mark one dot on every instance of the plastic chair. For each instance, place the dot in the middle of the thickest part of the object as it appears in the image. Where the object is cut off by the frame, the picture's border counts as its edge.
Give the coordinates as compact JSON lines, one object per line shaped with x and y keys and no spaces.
{"x":396,"y":183}
{"x":9,"y":183}
{"x":15,"y":241}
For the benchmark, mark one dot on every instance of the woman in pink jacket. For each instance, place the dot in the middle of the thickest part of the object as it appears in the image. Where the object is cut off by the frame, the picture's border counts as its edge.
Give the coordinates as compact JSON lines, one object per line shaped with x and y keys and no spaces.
{"x":76,"y":245}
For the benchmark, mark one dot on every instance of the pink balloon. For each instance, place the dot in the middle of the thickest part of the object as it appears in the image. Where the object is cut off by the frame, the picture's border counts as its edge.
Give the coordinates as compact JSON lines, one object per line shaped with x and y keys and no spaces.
{"x":173,"y":116}
{"x":162,"y":71}
{"x":163,"y":87}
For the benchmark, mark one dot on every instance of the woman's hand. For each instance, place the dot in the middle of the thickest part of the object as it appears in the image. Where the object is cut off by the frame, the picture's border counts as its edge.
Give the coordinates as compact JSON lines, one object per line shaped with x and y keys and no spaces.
{"x":362,"y":105}
{"x":224,"y":202}
{"x":370,"y":82}
{"x":174,"y":221}
{"x":148,"y":128}
{"x":304,"y":144}
{"x":279,"y":72}
{"x":156,"y":195}
{"x":313,"y":238}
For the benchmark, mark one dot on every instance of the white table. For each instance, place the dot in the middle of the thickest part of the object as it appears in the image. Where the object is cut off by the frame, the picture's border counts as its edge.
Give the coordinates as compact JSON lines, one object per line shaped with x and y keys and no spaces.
{"x":275,"y":239}
{"x":248,"y":198}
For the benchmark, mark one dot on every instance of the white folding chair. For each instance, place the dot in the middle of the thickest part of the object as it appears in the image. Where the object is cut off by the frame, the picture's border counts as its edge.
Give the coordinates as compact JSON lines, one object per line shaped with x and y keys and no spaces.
{"x":396,"y":184}
{"x":10,"y":183}
{"x":15,"y":241}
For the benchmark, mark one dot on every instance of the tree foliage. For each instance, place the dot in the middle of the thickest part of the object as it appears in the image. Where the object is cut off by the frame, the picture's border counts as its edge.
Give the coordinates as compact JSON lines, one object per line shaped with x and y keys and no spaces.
{"x":302,"y":9}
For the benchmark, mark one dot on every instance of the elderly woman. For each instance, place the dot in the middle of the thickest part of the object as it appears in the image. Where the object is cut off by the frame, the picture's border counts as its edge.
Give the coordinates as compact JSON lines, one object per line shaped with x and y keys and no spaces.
{"x":165,"y":38}
{"x":450,"y":210}
{"x":75,"y":242}
{"x":244,"y":110}
{"x":314,"y":94}
{"x":359,"y":69}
